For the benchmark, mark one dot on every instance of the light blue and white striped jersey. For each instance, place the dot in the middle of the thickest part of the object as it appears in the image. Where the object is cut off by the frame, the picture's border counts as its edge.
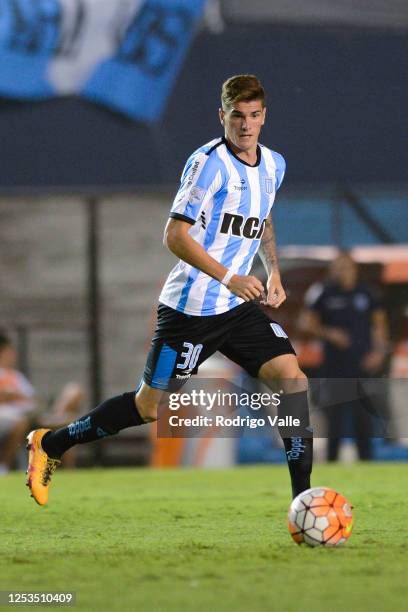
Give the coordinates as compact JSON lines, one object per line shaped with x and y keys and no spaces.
{"x":227,"y":202}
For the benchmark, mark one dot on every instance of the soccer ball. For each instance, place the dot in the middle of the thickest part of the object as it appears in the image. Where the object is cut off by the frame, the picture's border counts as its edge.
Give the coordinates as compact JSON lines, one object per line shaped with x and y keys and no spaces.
{"x":320,"y":517}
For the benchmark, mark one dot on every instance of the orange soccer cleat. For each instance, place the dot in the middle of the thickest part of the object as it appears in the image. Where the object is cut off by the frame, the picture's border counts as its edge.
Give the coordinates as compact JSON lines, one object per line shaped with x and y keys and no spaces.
{"x":40,"y":467}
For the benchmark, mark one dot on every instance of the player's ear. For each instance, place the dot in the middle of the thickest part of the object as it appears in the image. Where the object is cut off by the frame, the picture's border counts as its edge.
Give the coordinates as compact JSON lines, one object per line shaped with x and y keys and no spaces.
{"x":221,"y":114}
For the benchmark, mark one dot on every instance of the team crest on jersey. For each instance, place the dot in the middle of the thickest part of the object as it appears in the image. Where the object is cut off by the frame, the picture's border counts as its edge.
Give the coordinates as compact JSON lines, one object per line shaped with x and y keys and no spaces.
{"x":269,"y":184}
{"x":196,"y":195}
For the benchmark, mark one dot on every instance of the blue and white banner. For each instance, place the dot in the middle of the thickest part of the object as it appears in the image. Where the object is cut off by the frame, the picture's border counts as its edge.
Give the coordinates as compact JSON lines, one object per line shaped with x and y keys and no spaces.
{"x":122,"y":53}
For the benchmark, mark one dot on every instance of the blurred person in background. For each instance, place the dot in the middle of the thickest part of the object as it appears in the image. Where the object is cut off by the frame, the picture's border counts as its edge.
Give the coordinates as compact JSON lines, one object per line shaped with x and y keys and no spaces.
{"x":17,"y":405}
{"x":346,"y":315}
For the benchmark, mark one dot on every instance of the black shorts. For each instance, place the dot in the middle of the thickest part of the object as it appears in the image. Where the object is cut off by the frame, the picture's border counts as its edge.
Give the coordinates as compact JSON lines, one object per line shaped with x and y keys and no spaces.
{"x":182,"y":342}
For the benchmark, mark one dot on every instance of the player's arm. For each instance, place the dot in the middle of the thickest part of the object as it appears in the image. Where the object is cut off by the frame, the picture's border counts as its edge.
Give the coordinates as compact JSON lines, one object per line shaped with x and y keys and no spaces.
{"x":178,"y":241}
{"x":267,"y":251}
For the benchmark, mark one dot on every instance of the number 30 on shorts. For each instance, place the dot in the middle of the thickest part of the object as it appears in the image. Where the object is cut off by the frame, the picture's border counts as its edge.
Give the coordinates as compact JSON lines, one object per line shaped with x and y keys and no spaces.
{"x":191,"y":356}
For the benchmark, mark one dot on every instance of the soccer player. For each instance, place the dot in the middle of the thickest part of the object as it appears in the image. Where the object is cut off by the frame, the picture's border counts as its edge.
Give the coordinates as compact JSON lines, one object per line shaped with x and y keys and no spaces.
{"x":219,"y":219}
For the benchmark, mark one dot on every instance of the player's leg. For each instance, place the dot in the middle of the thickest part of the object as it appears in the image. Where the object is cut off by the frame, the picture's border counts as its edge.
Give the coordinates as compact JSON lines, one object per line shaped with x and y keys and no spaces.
{"x":46,"y":447}
{"x":298,"y":441}
{"x":178,"y":347}
{"x":262,"y":348}
{"x":111,"y":416}
{"x":107,"y":419}
{"x":175,"y":354}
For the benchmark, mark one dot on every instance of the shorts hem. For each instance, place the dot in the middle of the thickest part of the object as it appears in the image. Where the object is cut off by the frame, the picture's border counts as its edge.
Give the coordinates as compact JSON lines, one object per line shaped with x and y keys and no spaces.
{"x":156,"y":385}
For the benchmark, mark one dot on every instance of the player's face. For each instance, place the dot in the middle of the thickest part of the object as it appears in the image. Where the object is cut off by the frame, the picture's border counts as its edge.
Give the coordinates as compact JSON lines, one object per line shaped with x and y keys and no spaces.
{"x":243,"y":123}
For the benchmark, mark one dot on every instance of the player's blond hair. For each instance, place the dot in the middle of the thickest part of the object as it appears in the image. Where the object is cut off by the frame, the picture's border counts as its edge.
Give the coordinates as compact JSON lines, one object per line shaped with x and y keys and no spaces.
{"x":241,"y":88}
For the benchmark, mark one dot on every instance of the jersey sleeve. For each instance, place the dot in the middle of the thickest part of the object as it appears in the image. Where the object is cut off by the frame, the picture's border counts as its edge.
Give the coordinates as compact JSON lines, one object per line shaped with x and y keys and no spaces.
{"x":201,"y":178}
{"x":280,"y":169}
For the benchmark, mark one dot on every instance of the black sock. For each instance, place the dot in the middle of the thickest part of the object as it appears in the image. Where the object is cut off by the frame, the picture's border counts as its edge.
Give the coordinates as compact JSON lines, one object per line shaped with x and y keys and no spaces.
{"x":298,"y":440}
{"x":106,"y":419}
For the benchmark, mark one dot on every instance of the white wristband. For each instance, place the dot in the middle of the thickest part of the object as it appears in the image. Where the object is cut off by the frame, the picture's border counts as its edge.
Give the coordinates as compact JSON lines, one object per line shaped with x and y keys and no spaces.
{"x":227,"y":277}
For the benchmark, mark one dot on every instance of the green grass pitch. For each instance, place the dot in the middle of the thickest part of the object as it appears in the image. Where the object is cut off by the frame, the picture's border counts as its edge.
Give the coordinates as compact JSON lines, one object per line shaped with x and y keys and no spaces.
{"x":213,"y":541}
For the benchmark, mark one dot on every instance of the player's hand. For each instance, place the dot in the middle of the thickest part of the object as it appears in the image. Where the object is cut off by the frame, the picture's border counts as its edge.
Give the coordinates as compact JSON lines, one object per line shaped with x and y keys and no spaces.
{"x":276,"y":293}
{"x":246,"y":287}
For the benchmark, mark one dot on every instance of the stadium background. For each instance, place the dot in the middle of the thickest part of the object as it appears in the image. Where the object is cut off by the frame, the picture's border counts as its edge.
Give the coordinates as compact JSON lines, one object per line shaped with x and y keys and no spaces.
{"x":84,"y":195}
{"x":85,"y":191}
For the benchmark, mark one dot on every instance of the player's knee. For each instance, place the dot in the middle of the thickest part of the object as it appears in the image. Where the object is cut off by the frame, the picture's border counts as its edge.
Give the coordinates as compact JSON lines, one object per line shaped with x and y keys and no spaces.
{"x":300,"y":376}
{"x":284,"y":366}
{"x":147,"y":410}
{"x":285,"y":372}
{"x":295,"y":381}
{"x":290,"y":371}
{"x":147,"y":403}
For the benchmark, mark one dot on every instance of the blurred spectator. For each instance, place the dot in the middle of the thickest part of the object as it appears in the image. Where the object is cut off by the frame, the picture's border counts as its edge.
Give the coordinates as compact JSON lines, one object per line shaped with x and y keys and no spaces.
{"x":345,"y":314}
{"x":17,"y":403}
{"x":19,"y":409}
